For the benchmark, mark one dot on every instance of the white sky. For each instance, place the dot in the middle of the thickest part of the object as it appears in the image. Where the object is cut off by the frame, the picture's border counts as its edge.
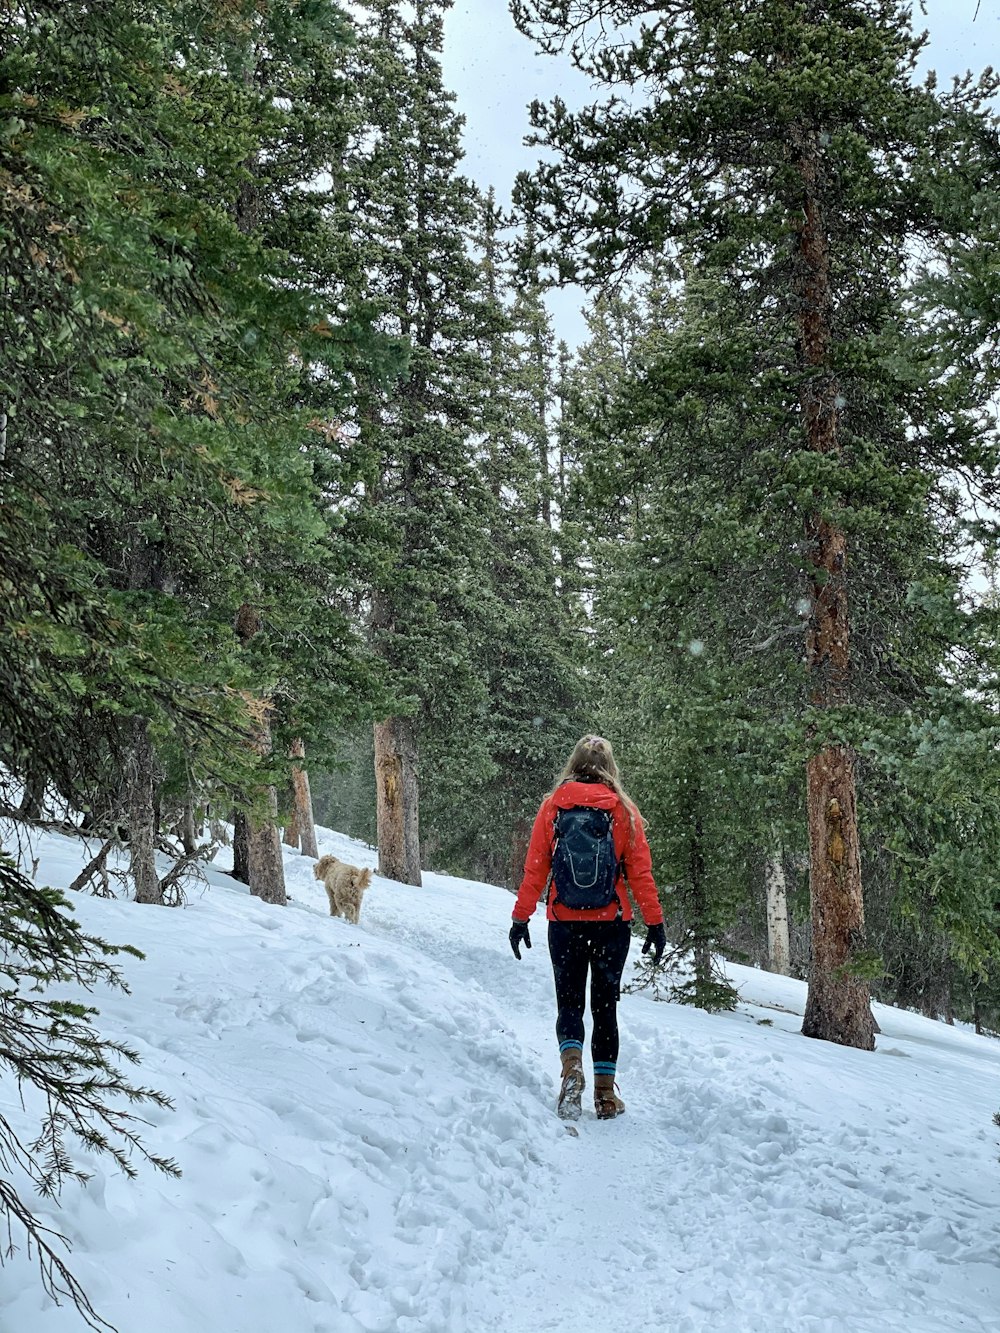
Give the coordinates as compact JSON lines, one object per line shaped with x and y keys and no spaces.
{"x":495,"y":73}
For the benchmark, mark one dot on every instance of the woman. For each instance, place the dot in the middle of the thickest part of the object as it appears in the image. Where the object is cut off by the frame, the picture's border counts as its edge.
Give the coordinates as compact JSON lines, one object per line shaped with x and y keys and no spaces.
{"x":588,"y":848}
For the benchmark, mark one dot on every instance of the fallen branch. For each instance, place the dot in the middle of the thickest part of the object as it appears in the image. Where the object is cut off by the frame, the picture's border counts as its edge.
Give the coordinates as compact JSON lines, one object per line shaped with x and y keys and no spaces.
{"x":99,"y":864}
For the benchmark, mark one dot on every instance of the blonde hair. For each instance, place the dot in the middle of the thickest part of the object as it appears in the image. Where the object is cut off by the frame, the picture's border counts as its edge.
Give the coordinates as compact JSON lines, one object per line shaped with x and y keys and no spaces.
{"x":593,"y":759}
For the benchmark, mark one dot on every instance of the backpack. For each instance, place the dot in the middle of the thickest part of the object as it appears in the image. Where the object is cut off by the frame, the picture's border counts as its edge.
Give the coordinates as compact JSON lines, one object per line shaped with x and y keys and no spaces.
{"x":584,"y":862}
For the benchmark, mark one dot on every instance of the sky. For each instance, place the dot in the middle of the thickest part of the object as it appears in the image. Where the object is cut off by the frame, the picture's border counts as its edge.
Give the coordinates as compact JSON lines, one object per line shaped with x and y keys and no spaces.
{"x":495,"y":73}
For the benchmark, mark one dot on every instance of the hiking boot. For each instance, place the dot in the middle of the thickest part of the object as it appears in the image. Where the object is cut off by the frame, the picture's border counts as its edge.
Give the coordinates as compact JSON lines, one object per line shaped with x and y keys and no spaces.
{"x":568,"y":1107}
{"x":607,"y":1103}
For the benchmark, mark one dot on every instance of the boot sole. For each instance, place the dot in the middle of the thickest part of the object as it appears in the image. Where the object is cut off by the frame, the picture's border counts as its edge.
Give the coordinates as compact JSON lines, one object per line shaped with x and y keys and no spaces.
{"x":569,"y":1106}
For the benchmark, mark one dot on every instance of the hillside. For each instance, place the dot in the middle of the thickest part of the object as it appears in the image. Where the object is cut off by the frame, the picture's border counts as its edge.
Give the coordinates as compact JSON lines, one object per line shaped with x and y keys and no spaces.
{"x":363,"y":1116}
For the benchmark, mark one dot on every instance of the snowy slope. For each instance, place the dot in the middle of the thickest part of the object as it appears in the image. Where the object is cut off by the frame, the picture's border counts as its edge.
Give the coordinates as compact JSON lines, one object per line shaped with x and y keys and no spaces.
{"x":364,"y":1121}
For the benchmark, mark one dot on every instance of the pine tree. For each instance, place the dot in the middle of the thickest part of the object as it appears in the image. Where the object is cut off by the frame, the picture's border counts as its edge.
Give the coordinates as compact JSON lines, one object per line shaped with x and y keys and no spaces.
{"x":671,"y":558}
{"x":424,"y":495}
{"x":171,"y":368}
{"x":51,"y":1046}
{"x":209,"y":334}
{"x":785,"y":149}
{"x":529,"y":635}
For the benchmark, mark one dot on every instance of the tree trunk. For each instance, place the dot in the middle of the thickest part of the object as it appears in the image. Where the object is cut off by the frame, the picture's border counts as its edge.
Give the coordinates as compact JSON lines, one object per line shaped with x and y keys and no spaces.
{"x":188,"y":829}
{"x":302,"y":809}
{"x":241,"y":847}
{"x":291,"y":835}
{"x":838,"y":1006}
{"x":142,"y":815}
{"x":267,"y":870}
{"x":264,"y":868}
{"x":33,"y":796}
{"x":778,"y":952}
{"x":397,"y":797}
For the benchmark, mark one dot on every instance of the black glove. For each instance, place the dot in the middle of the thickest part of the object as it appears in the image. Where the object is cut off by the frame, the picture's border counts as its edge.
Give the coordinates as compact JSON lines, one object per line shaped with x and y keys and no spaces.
{"x":656,"y":939}
{"x":518,"y":935}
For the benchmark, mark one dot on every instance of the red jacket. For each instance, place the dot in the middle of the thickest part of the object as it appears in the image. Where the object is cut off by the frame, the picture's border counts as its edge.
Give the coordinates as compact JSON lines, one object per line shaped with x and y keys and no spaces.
{"x":631,"y":848}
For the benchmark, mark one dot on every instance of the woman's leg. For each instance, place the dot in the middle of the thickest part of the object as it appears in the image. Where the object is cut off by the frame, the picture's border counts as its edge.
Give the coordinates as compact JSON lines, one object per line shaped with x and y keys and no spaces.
{"x":609,"y":950}
{"x":569,"y":953}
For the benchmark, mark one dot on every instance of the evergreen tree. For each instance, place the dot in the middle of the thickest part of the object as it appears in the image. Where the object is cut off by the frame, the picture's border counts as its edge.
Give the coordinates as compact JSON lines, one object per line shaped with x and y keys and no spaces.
{"x":203,"y":352}
{"x":424,"y":494}
{"x":785,"y":149}
{"x":180,"y":335}
{"x":529,"y":635}
{"x":676,"y":565}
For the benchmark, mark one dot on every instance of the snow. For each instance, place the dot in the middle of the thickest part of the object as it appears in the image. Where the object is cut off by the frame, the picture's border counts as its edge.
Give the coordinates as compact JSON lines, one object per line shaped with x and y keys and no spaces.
{"x":364,"y":1119}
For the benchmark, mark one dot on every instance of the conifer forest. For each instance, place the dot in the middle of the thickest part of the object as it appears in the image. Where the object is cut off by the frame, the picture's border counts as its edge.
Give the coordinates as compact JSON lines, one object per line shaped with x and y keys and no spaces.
{"x":311,"y":515}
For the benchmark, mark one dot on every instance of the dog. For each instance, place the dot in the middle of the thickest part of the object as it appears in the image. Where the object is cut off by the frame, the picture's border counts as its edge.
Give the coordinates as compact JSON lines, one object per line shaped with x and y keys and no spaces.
{"x":345,"y":886}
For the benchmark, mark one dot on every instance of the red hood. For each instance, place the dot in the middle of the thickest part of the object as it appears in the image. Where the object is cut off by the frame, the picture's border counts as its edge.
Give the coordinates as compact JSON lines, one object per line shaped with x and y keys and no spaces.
{"x":594,"y":794}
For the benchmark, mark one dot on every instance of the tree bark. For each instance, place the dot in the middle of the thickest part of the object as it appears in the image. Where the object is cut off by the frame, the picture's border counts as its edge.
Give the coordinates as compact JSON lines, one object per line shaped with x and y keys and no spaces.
{"x":778,"y":951}
{"x":265,"y":864}
{"x":189,"y":829}
{"x":291,"y":835}
{"x":142,"y":815}
{"x":397,"y":800}
{"x":33,"y":796}
{"x":838,"y":1006}
{"x":302,"y":809}
{"x":267,"y":870}
{"x":241,"y":847}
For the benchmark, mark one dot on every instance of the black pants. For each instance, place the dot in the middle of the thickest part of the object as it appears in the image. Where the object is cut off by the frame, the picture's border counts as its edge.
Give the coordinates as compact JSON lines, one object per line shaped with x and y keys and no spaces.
{"x":600,"y":947}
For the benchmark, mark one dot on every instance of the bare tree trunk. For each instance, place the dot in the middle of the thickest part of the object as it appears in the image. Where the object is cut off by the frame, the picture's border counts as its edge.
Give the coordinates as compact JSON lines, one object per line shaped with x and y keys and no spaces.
{"x":33,"y":796}
{"x":267,"y":870}
{"x":397,"y":798}
{"x":142,"y":815}
{"x":291,"y":835}
{"x":241,"y":847}
{"x":302,"y":810}
{"x":838,"y":1006}
{"x":778,"y":952}
{"x":188,"y":830}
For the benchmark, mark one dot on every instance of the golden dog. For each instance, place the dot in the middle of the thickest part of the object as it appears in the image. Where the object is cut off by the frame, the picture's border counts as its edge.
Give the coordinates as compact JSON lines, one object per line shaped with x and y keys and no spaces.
{"x":345,"y":886}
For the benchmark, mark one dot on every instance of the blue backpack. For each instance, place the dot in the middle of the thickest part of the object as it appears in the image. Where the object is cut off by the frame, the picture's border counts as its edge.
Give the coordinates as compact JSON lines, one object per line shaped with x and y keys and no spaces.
{"x":584,"y":861}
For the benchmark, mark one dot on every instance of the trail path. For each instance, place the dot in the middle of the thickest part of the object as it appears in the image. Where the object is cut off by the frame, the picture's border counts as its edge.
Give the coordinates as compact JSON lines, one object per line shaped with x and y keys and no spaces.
{"x":364,"y":1119}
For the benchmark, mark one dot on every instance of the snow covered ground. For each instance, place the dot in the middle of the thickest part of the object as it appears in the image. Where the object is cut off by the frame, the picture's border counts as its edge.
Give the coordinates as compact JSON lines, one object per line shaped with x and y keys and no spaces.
{"x":364,"y":1121}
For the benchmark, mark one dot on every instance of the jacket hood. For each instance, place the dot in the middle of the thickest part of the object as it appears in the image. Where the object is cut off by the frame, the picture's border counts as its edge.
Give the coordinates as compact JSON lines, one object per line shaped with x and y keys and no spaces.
{"x":594,"y":794}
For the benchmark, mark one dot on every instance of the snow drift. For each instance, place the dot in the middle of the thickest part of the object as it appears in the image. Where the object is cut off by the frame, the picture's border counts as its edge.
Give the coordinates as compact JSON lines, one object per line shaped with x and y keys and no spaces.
{"x":363,"y":1116}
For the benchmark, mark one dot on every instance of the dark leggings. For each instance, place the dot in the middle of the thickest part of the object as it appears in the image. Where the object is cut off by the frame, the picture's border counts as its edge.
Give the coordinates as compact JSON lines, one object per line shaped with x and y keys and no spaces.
{"x":601,"y":946}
